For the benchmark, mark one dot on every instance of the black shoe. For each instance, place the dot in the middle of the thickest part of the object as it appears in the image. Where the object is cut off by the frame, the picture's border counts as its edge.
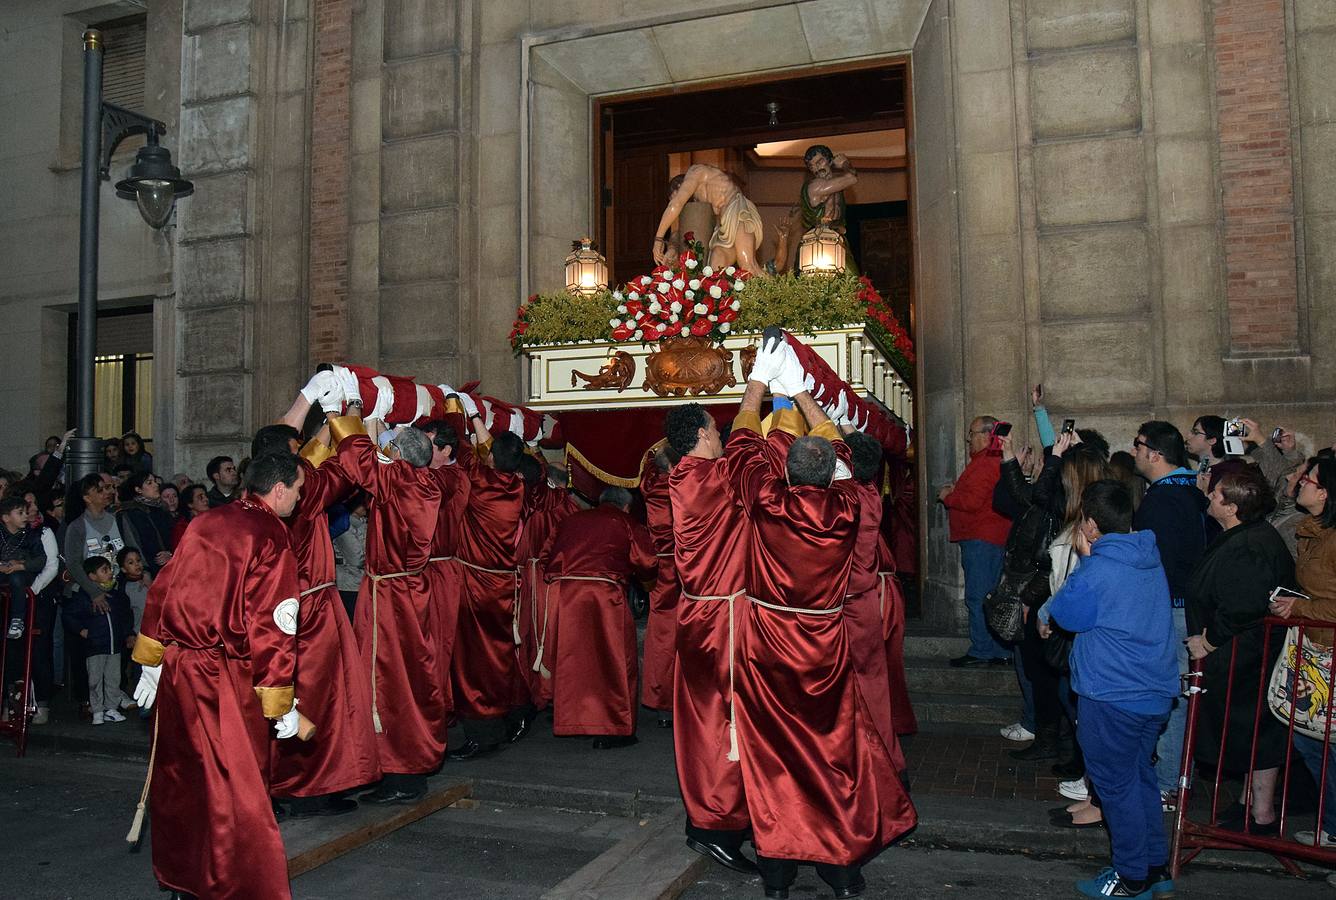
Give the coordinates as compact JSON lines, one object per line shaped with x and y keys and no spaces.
{"x":777,"y":893}
{"x":853,"y":890}
{"x":613,"y":741}
{"x":386,"y":796}
{"x":178,"y":895}
{"x":331,"y":805}
{"x":665,"y":720}
{"x":1069,"y":822}
{"x":728,"y":857}
{"x":1038,"y":751}
{"x":968,"y":662}
{"x":519,"y":729}
{"x":1000,"y":661}
{"x":280,"y":811}
{"x":470,"y":749}
{"x":1234,"y":819}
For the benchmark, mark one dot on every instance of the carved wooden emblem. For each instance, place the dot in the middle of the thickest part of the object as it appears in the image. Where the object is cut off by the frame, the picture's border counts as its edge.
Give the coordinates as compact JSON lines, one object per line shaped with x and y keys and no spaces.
{"x":688,"y":365}
{"x":617,"y":373}
{"x":747,"y":356}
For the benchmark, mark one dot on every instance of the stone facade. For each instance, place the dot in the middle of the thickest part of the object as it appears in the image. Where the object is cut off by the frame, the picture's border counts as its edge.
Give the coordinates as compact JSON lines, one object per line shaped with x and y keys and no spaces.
{"x":383,"y":180}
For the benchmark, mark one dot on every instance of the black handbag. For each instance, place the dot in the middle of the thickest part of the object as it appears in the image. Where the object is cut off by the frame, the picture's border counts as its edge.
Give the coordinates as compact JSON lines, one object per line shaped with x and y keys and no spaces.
{"x":1003,"y":606}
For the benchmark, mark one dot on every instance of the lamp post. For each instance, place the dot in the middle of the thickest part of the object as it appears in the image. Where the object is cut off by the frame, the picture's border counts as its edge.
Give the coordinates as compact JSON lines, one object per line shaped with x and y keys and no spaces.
{"x":153,"y":182}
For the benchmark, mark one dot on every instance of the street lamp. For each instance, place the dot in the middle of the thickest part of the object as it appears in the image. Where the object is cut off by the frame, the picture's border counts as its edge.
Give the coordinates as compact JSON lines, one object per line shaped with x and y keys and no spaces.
{"x":152,"y":182}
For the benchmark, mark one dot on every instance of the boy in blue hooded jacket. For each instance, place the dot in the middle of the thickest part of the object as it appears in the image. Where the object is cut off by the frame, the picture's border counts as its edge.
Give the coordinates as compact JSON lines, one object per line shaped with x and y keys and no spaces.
{"x":1125,"y":675}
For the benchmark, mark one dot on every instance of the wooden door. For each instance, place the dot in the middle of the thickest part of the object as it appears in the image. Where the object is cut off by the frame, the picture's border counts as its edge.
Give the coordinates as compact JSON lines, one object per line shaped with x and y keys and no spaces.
{"x":639,"y":193}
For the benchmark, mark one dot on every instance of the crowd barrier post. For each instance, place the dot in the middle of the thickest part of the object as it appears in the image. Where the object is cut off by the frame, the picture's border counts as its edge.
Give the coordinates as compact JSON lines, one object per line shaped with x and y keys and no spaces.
{"x":15,"y":726}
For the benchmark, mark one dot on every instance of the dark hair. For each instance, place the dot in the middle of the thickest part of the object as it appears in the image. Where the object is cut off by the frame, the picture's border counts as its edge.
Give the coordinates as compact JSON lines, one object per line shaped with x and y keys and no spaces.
{"x":124,"y":554}
{"x":1214,"y":429}
{"x":1109,"y":503}
{"x":1323,"y":471}
{"x":811,"y":461}
{"x":264,"y":472}
{"x":274,"y":439}
{"x":132,"y":436}
{"x":132,"y":484}
{"x":529,"y":470}
{"x":188,"y":495}
{"x":88,"y":482}
{"x":33,"y":466}
{"x":1248,"y":491}
{"x":443,"y":435}
{"x":92,"y":563}
{"x":866,"y":456}
{"x":619,"y":497}
{"x":815,"y":150}
{"x":11,"y":503}
{"x":1093,"y":440}
{"x":47,"y":500}
{"x":1166,"y":440}
{"x":211,"y":470}
{"x":1123,"y":467}
{"x":507,"y":451}
{"x":682,"y":426}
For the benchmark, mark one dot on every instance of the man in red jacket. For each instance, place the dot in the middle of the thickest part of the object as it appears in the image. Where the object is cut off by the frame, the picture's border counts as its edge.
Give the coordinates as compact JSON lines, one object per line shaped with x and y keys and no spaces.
{"x":981,"y":534}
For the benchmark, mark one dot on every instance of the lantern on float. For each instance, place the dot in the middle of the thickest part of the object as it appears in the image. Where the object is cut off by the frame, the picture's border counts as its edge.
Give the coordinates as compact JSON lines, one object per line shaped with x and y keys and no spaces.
{"x":586,"y":269}
{"x":821,"y":252}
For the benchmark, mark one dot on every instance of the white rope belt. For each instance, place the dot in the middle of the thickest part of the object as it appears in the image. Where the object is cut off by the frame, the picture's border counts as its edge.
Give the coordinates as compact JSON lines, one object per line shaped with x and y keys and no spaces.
{"x":732,"y":713}
{"x":375,"y":636}
{"x":440,"y":558}
{"x":515,"y":598}
{"x":542,"y":639}
{"x":664,"y":555}
{"x":318,"y":587}
{"x":796,"y":610}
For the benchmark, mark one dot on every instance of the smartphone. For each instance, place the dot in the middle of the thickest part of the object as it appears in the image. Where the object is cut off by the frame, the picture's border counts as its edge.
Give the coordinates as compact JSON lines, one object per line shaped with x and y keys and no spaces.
{"x":1235,"y":428}
{"x":1277,"y":435}
{"x":1068,"y":426}
{"x":1001,"y":429}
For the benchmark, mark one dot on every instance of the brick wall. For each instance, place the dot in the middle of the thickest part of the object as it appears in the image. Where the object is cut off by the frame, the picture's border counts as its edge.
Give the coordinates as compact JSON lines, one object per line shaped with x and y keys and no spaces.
{"x":327,"y":322}
{"x":1257,"y":176}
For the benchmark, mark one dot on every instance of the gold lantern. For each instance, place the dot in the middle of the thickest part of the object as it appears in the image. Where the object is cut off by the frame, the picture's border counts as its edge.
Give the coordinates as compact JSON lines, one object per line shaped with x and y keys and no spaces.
{"x":821,"y":252}
{"x":586,"y":269}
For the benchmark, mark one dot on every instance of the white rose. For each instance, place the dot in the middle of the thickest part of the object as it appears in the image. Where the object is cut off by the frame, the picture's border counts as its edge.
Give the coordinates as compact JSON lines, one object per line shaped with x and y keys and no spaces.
{"x":661,"y":327}
{"x":726,"y":328}
{"x":676,"y":307}
{"x":679,"y":283}
{"x":634,"y":295}
{"x":690,"y":295}
{"x":700,"y":309}
{"x":667,"y":274}
{"x":621,"y":308}
{"x":735,"y":305}
{"x":615,"y":323}
{"x":707,"y":271}
{"x":638,"y":335}
{"x":694,"y":284}
{"x":739,"y":285}
{"x":645,"y":279}
{"x":662,"y":287}
{"x":729,"y":271}
{"x":713,"y":318}
{"x":716,"y":292}
{"x":673,"y":318}
{"x":654,"y":307}
{"x":691,"y":264}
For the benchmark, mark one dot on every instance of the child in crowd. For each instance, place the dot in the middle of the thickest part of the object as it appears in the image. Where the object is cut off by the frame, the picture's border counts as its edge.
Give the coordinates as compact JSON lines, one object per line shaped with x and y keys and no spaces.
{"x":104,"y":634}
{"x":134,"y":581}
{"x":21,"y":558}
{"x":1125,"y":675}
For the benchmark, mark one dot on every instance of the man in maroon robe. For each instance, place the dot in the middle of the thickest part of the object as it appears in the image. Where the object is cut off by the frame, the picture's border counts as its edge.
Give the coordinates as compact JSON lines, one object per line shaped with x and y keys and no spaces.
{"x":661,"y":629}
{"x":821,"y":786}
{"x":218,"y":643}
{"x":588,"y":563}
{"x":444,"y":576}
{"x":331,"y":681}
{"x":396,"y":617}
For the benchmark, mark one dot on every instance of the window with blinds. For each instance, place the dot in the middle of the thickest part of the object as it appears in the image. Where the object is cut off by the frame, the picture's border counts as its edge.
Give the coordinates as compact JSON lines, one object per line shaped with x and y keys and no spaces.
{"x":124,"y":41}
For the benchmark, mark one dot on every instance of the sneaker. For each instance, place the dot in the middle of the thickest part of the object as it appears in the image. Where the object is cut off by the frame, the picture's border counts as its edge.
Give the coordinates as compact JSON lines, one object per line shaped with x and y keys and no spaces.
{"x":1168,"y":801}
{"x":1108,"y":884}
{"x":15,"y":629}
{"x":97,"y":718}
{"x":1306,"y":837}
{"x":112,"y":716}
{"x":1074,"y":790}
{"x":41,"y":716}
{"x":1017,"y":732}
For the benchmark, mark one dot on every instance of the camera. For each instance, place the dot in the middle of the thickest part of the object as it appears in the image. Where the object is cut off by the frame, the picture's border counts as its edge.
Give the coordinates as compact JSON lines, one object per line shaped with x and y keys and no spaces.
{"x":1234,"y":432}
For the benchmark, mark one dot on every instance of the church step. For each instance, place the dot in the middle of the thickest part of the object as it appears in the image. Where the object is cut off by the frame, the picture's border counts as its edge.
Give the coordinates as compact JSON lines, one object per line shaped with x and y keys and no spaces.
{"x":934,"y":675}
{"x":961,"y":709}
{"x":940,"y":646}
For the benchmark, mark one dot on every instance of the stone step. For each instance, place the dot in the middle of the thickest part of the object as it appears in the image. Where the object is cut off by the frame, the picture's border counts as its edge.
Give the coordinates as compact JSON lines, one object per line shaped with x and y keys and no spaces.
{"x":933,"y":709}
{"x":941,"y":646}
{"x":934,"y":675}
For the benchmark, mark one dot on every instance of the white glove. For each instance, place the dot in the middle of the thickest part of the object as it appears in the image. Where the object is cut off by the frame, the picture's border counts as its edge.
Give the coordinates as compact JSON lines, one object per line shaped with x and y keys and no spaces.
{"x":348,"y":384}
{"x":839,"y":411}
{"x":446,"y":389}
{"x":470,"y":406}
{"x":790,"y":379}
{"x":147,"y":689}
{"x":320,"y":384}
{"x":767,"y":363}
{"x":285,"y":726}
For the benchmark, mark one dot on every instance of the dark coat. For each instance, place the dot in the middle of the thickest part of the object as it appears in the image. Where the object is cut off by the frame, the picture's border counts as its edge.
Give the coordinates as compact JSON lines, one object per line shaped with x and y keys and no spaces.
{"x":1040,"y":506}
{"x":1227,"y":597}
{"x":106,"y":631}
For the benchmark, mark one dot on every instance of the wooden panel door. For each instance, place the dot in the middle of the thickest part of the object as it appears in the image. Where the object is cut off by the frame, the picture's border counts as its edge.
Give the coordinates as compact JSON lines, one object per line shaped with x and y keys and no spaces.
{"x":639,"y":194}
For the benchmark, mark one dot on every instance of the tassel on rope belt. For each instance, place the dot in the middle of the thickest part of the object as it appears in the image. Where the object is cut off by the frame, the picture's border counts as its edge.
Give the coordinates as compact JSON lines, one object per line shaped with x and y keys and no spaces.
{"x":515,"y":599}
{"x":375,"y":636}
{"x":532,"y":564}
{"x":542,"y":638}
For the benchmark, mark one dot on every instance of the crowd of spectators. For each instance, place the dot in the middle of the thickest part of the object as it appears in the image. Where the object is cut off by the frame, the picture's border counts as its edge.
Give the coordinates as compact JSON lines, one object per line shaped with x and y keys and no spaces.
{"x":1230,"y":511}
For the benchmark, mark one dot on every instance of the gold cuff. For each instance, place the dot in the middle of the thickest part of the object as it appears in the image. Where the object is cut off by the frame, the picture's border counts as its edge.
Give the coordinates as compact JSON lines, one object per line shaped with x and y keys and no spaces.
{"x":484,"y":447}
{"x":274,"y":701}
{"x":789,"y":421}
{"x":828,"y":430}
{"x":315,"y":452}
{"x":453,"y":406}
{"x":747,"y":420}
{"x":147,"y":652}
{"x":345,"y":426}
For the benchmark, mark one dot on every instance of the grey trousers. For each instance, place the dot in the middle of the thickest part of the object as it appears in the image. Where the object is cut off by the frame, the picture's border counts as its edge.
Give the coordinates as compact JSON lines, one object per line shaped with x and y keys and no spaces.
{"x":104,"y":682}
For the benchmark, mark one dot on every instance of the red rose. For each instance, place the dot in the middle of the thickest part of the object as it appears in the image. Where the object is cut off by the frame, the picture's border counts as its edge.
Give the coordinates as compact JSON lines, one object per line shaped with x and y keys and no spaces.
{"x":689,"y":236}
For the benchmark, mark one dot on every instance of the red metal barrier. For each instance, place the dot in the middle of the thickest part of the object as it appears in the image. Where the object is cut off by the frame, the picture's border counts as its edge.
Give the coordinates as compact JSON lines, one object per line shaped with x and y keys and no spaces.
{"x":15,"y":727}
{"x":1190,"y":837}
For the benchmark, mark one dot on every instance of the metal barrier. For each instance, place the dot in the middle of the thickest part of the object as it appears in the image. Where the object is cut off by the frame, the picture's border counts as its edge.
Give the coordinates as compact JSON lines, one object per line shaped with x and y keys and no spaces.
{"x":1189,"y":837}
{"x":18,"y":705}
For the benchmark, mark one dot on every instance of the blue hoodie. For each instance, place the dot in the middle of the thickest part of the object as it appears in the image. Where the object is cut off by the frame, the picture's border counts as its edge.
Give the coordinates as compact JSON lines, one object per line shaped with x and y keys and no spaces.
{"x":1117,"y":603}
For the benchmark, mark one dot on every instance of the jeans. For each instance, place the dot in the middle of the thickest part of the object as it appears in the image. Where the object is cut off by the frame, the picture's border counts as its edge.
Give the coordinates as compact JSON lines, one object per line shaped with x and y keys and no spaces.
{"x":1117,"y":744}
{"x":1027,"y":689}
{"x":1311,"y":751}
{"x":982,"y":563}
{"x":18,"y":583}
{"x":1170,"y":746}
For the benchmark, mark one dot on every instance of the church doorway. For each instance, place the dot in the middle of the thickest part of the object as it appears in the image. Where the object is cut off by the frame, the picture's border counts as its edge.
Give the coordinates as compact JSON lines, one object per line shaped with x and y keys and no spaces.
{"x":758,"y":130}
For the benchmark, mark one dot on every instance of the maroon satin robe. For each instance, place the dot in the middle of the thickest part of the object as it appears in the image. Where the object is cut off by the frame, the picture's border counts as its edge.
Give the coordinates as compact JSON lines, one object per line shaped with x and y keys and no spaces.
{"x":396,"y":617}
{"x":332,"y":685}
{"x":892,"y":601}
{"x":821,"y":785}
{"x":592,"y":642}
{"x":710,"y":546}
{"x":485,"y":668}
{"x":661,"y":629}
{"x":445,"y":580}
{"x":226,"y":664}
{"x":545,"y":508}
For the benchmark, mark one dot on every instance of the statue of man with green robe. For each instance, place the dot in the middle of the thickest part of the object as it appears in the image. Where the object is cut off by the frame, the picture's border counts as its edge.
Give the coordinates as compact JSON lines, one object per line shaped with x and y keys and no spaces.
{"x":820,"y":202}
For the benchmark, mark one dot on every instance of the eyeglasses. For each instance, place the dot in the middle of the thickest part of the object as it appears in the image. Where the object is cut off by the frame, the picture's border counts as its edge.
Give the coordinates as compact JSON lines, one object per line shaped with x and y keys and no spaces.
{"x":1140,"y":443}
{"x":1309,"y":479}
{"x":1198,"y":432}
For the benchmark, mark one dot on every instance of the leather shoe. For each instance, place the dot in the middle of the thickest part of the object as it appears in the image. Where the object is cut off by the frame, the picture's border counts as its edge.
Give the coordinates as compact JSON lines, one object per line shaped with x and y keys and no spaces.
{"x":613,"y":741}
{"x":383,"y":796}
{"x":729,"y":858}
{"x":322,"y":806}
{"x":777,"y":893}
{"x":470,"y":749}
{"x":280,"y":811}
{"x":853,"y":890}
{"x":968,"y":662}
{"x":519,"y":729}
